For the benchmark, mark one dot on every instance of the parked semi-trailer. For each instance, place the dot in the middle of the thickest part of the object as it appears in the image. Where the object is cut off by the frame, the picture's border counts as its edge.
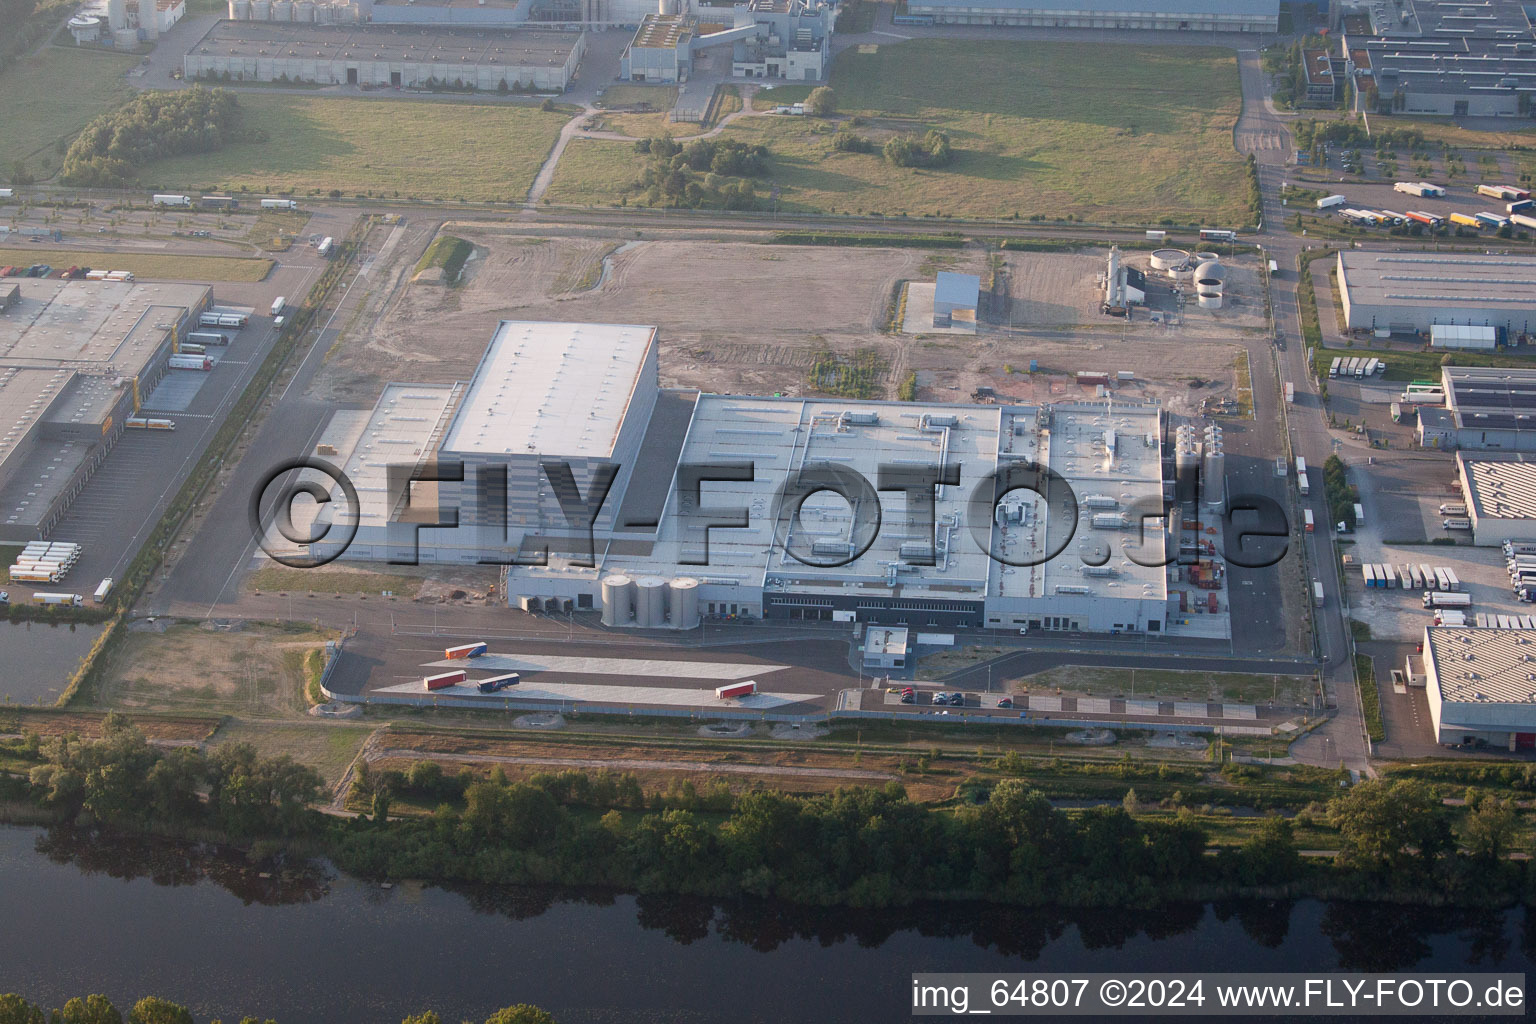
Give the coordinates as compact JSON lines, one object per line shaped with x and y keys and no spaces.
{"x":65,"y":600}
{"x":190,"y":363}
{"x":1359,"y":515}
{"x":1508,"y":193}
{"x":327,"y":246}
{"x":1333,"y":369}
{"x":1329,"y":202}
{"x":1419,"y":188}
{"x":745,"y":689}
{"x":1525,"y":220}
{"x":1493,"y":220}
{"x":1446,"y":599}
{"x":1519,"y":206}
{"x":443,"y":680}
{"x":278,"y":304}
{"x":102,"y":590}
{"x":1457,"y":523}
{"x":170,"y":200}
{"x":1217,"y":235}
{"x":1306,"y":515}
{"x":192,"y":348}
{"x":219,"y":202}
{"x":208,"y":337}
{"x":1463,"y":220}
{"x":1317,"y":594}
{"x":1290,"y":392}
{"x":279,"y":204}
{"x":496,"y":683}
{"x":473,"y":650}
{"x":1425,"y":218}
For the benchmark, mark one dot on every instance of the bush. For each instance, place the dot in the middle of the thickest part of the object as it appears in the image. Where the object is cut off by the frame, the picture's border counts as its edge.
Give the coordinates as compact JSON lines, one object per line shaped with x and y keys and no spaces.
{"x":848,"y":142}
{"x":822,"y":102}
{"x":932,"y":150}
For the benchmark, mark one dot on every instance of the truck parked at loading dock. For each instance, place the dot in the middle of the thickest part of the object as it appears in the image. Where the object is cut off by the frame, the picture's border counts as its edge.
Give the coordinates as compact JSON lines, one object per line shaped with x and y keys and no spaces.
{"x":443,"y":680}
{"x":496,"y":683}
{"x":190,"y":362}
{"x":473,"y":650}
{"x":745,"y":689}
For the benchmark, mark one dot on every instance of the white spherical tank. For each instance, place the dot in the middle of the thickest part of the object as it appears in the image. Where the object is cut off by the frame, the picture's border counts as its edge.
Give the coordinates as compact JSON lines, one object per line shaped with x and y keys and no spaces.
{"x":1210,"y":284}
{"x":650,"y":602}
{"x":683,"y":602}
{"x":618,"y":600}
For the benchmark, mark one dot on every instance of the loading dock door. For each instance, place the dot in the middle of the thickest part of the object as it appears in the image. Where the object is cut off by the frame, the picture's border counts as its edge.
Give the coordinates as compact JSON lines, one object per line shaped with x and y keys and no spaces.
{"x":394,"y":79}
{"x":351,"y":76}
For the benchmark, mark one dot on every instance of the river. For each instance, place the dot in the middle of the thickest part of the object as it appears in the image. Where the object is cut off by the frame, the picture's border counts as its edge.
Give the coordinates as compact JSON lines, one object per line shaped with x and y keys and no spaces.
{"x":310,"y":946}
{"x":37,"y":658}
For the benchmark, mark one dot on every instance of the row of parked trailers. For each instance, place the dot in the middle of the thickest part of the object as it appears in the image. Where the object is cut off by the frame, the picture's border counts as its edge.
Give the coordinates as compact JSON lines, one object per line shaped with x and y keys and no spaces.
{"x":44,"y":561}
{"x":1410,"y":577}
{"x":458,"y":676}
{"x":1520,"y":560}
{"x":1360,"y":368}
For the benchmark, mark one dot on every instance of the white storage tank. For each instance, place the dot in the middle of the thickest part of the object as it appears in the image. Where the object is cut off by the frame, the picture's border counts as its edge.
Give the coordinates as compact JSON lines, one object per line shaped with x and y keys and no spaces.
{"x":261,"y":10}
{"x":1168,"y":259}
{"x":650,"y":602}
{"x":683,"y":602}
{"x":126,"y":37}
{"x":304,"y":11}
{"x":86,"y":28}
{"x":1210,"y":284}
{"x":325,"y":14}
{"x":243,"y":10}
{"x":282,"y":10}
{"x":618,"y":600}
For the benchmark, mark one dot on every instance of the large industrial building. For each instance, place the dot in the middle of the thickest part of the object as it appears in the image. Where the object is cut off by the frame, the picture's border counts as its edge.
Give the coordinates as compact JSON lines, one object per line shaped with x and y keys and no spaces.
{"x":1447,"y":58}
{"x":661,"y":50}
{"x":1155,"y":15}
{"x":1500,"y":492}
{"x":547,"y":396}
{"x":76,"y":358}
{"x":388,"y":57}
{"x":1409,"y":292}
{"x":1485,"y":408}
{"x":1481,"y":685}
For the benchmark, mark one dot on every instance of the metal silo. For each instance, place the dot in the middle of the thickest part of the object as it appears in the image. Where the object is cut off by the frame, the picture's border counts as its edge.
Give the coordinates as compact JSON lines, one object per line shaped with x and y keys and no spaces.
{"x":1213,"y":486}
{"x":325,"y":14}
{"x":261,"y":10}
{"x":304,"y":11}
{"x":242,"y":10}
{"x":618,"y":600}
{"x":650,"y":602}
{"x":1186,"y":463}
{"x":282,"y":10}
{"x":683,"y":602}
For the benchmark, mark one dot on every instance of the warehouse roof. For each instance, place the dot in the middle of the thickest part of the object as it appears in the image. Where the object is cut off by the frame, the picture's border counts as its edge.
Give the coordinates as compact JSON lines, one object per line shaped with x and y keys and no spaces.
{"x":663,"y":31}
{"x":102,"y":326}
{"x":1437,"y":279}
{"x":1166,"y":8}
{"x":957,"y":289}
{"x":1482,"y":666}
{"x":26,"y":396}
{"x":1500,"y":486}
{"x":551,"y":387}
{"x":1453,"y":47}
{"x":447,"y":46}
{"x":1495,"y":398}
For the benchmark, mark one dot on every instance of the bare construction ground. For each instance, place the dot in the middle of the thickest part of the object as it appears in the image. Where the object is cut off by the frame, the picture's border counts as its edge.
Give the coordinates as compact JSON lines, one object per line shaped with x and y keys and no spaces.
{"x":256,"y":670}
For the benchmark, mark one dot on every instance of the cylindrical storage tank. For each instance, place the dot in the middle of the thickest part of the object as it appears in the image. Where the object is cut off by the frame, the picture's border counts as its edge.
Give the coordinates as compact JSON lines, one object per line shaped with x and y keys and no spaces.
{"x":1209,"y":300}
{"x":618,"y":600}
{"x":683,"y":602}
{"x":128,"y":37}
{"x":650,"y":602}
{"x":1168,"y":259}
{"x":261,"y":10}
{"x":1213,"y":486}
{"x":1186,"y":464}
{"x":243,"y":10}
{"x":325,"y":14}
{"x":282,"y":10}
{"x":1207,"y":257}
{"x":1210,"y":273}
{"x":304,"y":11}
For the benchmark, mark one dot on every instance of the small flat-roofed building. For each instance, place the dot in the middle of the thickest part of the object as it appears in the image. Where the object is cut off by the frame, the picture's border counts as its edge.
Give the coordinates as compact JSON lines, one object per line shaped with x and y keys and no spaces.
{"x":885,"y":647}
{"x":1500,"y":493}
{"x":1409,"y":292}
{"x":401,"y":57}
{"x":1154,"y":15}
{"x":1324,"y":88}
{"x":9,"y":293}
{"x":659,"y":52}
{"x":1462,"y":337}
{"x":1481,"y":685}
{"x":955,"y":297}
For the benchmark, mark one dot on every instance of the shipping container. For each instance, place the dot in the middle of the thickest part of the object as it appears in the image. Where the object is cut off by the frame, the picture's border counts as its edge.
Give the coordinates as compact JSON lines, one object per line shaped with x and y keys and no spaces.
{"x":1156,"y":236}
{"x":170,"y":200}
{"x":473,"y":650}
{"x":279,"y":204}
{"x":745,"y":689}
{"x":443,"y":680}
{"x":102,"y":590}
{"x":190,"y":363}
{"x":1368,"y":573}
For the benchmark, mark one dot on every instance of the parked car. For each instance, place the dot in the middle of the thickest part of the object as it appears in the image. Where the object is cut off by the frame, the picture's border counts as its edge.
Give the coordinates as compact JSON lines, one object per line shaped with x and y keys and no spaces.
{"x":908,"y":698}
{"x":956,"y":700}
{"x":940,"y":698}
{"x":1005,"y":702}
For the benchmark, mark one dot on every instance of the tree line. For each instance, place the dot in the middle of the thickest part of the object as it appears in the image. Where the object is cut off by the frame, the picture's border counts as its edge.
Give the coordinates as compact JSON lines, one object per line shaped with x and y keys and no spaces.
{"x":98,"y":1009}
{"x":695,"y":176}
{"x":153,"y":126}
{"x":859,"y":847}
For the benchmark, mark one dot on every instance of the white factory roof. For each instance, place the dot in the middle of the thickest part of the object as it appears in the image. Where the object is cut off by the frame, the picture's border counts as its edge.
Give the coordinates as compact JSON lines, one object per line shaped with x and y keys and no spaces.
{"x":551,"y":387}
{"x":102,"y":326}
{"x":1500,"y":487}
{"x":1438,"y":279}
{"x":1482,"y":666}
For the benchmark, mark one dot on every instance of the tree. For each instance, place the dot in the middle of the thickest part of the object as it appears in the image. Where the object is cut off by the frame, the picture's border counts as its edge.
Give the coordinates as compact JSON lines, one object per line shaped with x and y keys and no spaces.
{"x":154,"y":1010}
{"x":90,"y":1010}
{"x":430,"y":1017}
{"x":822,"y":101}
{"x":1269,"y":856}
{"x":522,"y":1013}
{"x":1380,"y":822}
{"x":16,"y":1010}
{"x":1488,"y":830}
{"x":20,"y":176}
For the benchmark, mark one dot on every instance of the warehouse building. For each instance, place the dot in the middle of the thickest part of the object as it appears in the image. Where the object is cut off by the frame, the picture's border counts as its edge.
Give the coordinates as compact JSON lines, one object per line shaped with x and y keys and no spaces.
{"x":387,"y":57}
{"x":536,"y":407}
{"x":660,"y":50}
{"x":1481,"y":685}
{"x":789,"y":39}
{"x":1485,"y":408}
{"x":955,"y":297}
{"x":76,"y":359}
{"x":1153,"y":15}
{"x":1408,"y":293}
{"x":1500,"y":492}
{"x":1448,"y":58}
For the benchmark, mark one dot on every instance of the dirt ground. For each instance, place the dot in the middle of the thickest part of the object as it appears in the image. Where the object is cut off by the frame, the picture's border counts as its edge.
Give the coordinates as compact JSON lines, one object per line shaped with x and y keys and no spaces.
{"x":254,"y":670}
{"x":184,"y":729}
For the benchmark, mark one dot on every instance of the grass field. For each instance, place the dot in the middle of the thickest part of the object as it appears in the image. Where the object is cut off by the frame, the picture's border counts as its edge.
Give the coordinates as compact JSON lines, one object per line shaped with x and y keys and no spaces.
{"x":59,"y":90}
{"x":1055,"y":129}
{"x":387,"y":148}
{"x":175,"y":268}
{"x":325,"y":747}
